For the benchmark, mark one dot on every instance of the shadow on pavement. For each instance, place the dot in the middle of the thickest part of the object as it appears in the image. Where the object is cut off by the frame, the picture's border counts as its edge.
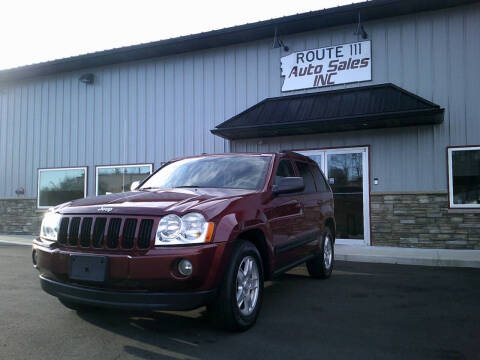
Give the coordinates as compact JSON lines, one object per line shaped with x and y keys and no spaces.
{"x":363,"y":311}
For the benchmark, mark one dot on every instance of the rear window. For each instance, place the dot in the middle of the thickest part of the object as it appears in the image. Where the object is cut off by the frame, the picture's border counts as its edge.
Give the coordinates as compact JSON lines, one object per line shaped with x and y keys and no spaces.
{"x":308,"y":179}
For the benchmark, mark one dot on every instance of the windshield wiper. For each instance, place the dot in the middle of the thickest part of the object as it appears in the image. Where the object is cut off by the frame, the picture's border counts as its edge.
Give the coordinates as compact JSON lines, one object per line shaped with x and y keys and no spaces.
{"x":149,"y":188}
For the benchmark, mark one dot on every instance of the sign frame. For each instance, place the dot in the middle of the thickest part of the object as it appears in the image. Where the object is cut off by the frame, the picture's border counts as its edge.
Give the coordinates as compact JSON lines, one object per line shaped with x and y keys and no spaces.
{"x":288,"y":62}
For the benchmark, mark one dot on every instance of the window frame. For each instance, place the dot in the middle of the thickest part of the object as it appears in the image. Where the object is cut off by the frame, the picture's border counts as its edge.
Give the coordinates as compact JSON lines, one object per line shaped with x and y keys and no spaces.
{"x":450,"y":150}
{"x":85,"y":185}
{"x":119,"y":166}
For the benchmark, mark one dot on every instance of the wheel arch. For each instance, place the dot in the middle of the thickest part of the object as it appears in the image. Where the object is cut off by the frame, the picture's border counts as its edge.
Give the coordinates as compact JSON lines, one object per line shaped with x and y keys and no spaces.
{"x":258,"y":239}
{"x":330,"y":223}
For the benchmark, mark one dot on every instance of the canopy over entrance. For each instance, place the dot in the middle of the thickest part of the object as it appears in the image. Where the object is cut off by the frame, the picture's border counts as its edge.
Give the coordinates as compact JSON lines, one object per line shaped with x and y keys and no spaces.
{"x":367,"y":107}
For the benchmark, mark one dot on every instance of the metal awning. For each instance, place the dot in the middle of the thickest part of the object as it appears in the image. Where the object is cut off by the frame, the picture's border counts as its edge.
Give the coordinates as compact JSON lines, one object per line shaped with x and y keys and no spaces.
{"x":367,"y":107}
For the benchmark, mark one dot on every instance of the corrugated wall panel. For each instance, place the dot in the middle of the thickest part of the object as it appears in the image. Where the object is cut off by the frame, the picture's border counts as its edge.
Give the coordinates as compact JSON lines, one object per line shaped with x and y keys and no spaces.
{"x":3,"y":139}
{"x":155,"y":110}
{"x":472,"y":59}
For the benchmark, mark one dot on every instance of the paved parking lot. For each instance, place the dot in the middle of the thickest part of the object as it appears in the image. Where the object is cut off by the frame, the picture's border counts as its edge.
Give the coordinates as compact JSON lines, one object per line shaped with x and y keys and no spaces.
{"x":365,"y":311}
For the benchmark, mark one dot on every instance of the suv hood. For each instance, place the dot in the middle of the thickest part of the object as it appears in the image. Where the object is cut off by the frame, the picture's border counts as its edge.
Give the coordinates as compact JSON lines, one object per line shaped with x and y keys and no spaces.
{"x":155,"y":202}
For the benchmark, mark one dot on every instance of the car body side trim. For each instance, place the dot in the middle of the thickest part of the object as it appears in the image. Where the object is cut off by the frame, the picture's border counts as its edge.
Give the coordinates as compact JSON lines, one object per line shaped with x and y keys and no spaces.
{"x":297,"y":242}
{"x":292,"y":265}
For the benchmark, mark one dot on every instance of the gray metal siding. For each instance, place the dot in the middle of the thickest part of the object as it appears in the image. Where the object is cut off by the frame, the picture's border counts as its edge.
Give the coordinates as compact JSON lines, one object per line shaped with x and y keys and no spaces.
{"x":434,"y":55}
{"x":152,"y":111}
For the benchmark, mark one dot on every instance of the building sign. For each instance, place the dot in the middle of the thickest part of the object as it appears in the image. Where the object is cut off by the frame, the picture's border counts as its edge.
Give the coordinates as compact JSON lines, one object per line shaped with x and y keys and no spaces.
{"x":333,"y":65}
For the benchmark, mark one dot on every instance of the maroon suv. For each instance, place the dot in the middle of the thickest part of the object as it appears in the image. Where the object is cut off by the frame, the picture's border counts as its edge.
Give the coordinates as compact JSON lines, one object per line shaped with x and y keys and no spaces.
{"x":205,"y":230}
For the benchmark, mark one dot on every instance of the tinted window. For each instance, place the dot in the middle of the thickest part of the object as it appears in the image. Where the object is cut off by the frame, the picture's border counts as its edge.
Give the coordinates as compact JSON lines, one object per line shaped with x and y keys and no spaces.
{"x":306,"y":174}
{"x":235,"y":172}
{"x":285,"y":169}
{"x":323,"y":187}
{"x":116,"y":179}
{"x":465,"y":175}
{"x":56,"y":186}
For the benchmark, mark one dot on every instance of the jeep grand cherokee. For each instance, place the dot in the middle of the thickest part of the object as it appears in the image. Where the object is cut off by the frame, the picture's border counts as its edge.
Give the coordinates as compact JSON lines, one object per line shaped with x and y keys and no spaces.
{"x":205,"y":230}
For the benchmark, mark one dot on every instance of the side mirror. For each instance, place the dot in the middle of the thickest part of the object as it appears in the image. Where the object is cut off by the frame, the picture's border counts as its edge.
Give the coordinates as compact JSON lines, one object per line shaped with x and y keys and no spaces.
{"x":288,"y":185}
{"x":134,"y":185}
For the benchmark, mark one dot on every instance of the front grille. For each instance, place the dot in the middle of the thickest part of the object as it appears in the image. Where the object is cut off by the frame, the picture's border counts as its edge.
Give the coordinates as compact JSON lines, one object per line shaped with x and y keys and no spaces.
{"x":129,"y":233}
{"x":73,"y":232}
{"x":145,"y":233}
{"x":98,"y":232}
{"x":106,"y":232}
{"x":85,"y":231}
{"x":63,"y":231}
{"x":113,"y":232}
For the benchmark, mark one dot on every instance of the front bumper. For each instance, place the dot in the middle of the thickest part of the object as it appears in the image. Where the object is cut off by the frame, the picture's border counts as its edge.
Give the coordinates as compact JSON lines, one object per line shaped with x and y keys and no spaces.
{"x":152,"y":271}
{"x":127,"y":300}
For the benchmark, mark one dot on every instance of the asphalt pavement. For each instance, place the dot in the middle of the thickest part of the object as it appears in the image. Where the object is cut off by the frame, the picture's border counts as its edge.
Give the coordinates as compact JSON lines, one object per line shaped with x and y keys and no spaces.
{"x":364,"y":311}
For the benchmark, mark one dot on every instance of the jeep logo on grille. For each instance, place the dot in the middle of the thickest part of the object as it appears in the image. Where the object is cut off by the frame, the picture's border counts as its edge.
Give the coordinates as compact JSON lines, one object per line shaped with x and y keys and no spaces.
{"x":105,"y":209}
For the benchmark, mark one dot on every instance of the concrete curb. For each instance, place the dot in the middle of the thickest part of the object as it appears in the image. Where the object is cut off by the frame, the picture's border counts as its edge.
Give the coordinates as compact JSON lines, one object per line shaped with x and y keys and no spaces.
{"x":408,"y":261}
{"x":21,"y":240}
{"x":408,"y":256}
{"x":16,"y":243}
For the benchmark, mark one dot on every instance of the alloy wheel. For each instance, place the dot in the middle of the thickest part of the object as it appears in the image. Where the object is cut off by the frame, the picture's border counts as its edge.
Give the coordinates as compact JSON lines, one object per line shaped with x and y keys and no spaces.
{"x":247,"y":285}
{"x":327,"y":252}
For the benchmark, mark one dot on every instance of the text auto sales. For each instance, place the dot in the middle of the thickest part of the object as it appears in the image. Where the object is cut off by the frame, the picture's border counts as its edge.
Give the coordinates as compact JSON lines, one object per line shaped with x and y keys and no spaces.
{"x":333,"y":67}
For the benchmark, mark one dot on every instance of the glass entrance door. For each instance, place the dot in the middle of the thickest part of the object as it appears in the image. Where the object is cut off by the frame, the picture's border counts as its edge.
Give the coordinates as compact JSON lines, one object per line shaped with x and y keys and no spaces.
{"x":347,"y":173}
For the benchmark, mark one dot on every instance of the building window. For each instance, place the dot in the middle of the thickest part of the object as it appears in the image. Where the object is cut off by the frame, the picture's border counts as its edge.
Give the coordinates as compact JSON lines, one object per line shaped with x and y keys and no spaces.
{"x":56,"y":186}
{"x":464,"y":177}
{"x":119,"y":178}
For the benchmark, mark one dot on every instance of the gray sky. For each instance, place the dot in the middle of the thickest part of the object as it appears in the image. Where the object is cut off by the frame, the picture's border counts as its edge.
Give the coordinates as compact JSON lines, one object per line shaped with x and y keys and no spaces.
{"x":33,"y":31}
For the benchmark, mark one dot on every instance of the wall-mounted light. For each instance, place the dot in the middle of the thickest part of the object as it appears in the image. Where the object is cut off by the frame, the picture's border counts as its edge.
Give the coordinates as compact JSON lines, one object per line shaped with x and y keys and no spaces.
{"x":20,"y":191}
{"x":87,"y":78}
{"x":277,"y":42}
{"x":375,"y":181}
{"x":360,"y":31}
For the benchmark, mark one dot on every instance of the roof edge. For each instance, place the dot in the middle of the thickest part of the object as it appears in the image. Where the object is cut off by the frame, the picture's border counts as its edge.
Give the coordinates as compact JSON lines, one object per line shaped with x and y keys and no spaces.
{"x":330,"y":17}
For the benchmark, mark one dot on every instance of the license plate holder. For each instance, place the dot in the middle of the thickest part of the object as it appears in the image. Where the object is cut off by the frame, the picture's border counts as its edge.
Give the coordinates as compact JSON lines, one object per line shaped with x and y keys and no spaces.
{"x":88,"y":268}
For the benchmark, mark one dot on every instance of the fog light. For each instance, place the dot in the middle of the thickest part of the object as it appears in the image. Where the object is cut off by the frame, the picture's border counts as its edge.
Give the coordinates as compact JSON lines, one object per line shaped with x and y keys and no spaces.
{"x":34,"y":257}
{"x":185,"y":267}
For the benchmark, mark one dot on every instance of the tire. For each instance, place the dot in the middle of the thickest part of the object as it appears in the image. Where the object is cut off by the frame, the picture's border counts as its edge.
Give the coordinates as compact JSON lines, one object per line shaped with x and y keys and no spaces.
{"x":226,"y":311}
{"x":321,"y":266}
{"x":76,"y":306}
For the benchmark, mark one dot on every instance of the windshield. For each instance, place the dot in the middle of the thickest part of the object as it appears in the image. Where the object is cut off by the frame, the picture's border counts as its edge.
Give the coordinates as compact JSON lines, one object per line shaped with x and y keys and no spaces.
{"x":235,"y":172}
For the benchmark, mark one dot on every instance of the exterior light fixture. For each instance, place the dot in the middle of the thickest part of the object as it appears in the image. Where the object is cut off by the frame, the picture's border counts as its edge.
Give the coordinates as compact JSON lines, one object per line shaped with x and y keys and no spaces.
{"x":360,"y":31}
{"x":277,"y":42}
{"x":87,"y":78}
{"x":20,"y":191}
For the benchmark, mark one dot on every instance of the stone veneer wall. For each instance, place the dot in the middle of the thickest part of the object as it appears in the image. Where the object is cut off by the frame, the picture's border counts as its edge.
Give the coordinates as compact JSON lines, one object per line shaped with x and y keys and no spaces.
{"x":404,"y":220}
{"x":20,"y":216}
{"x":422,"y":221}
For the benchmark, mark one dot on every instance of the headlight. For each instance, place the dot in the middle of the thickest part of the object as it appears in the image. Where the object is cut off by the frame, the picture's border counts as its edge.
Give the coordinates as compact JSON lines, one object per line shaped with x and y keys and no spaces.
{"x":189,"y":229}
{"x":50,"y":226}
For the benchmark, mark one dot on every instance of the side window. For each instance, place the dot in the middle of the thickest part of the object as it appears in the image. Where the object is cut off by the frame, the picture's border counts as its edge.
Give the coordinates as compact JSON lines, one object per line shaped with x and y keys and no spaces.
{"x":285,"y":169}
{"x":322,"y":184}
{"x":306,"y":174}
